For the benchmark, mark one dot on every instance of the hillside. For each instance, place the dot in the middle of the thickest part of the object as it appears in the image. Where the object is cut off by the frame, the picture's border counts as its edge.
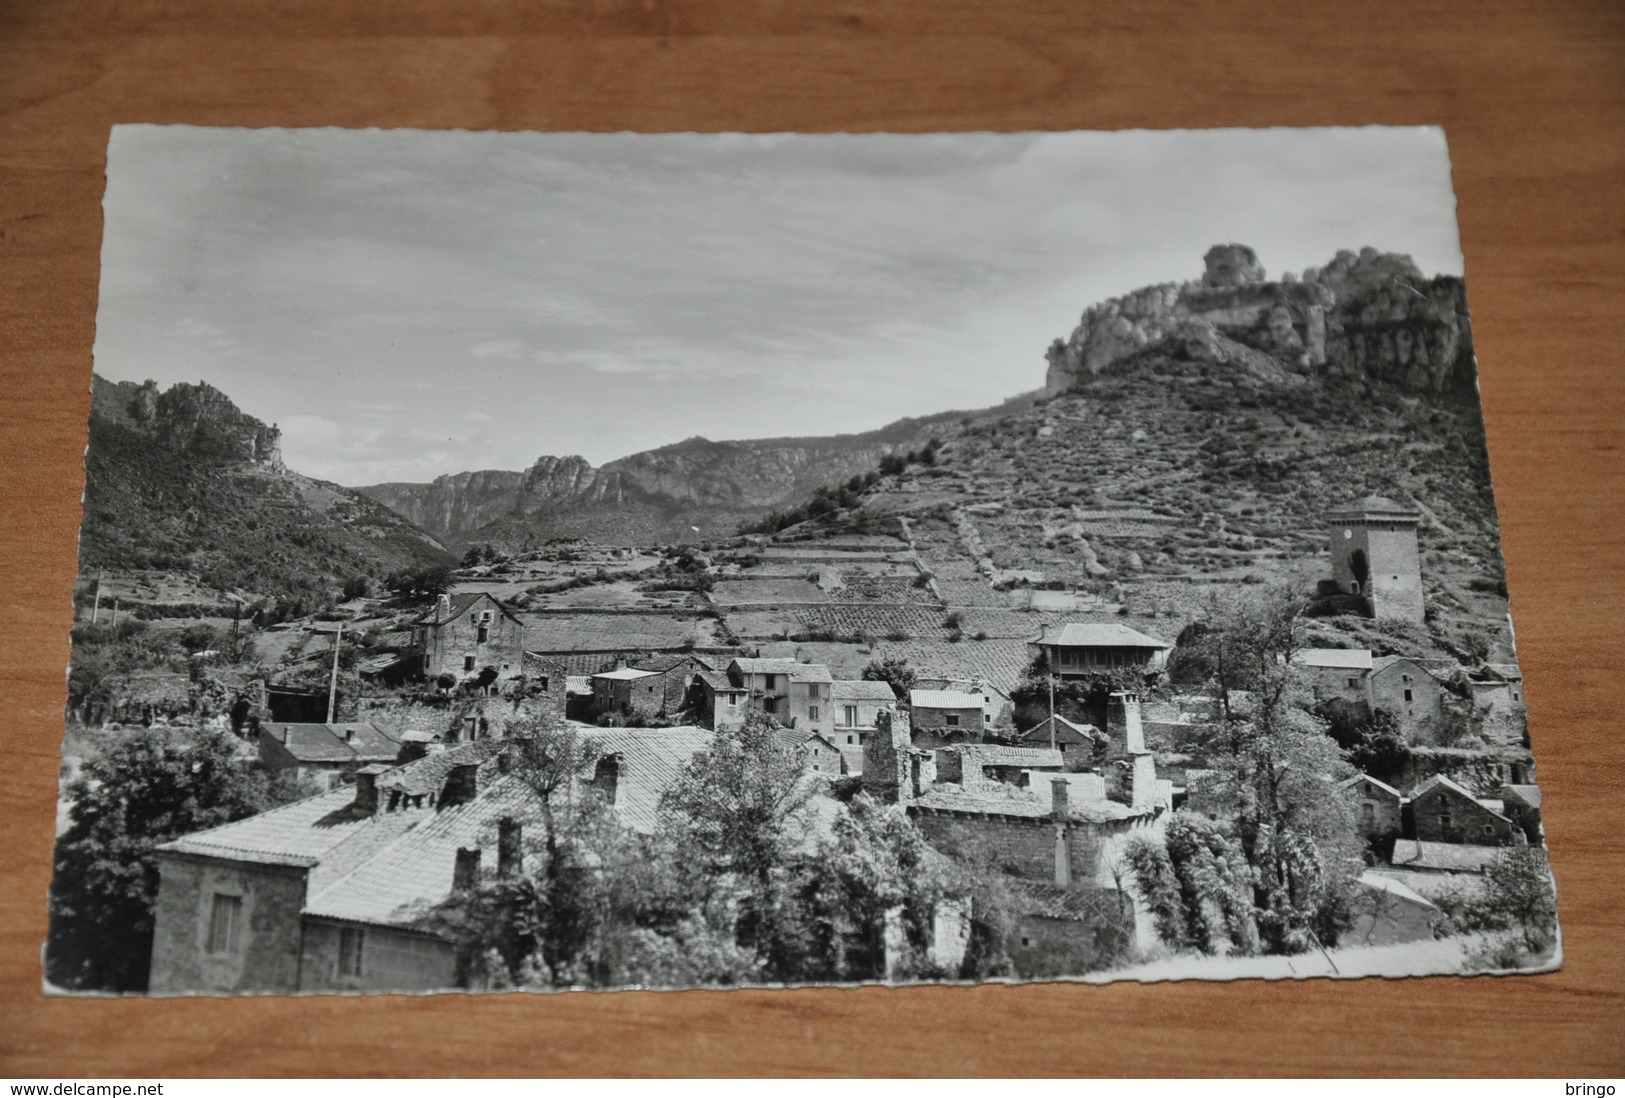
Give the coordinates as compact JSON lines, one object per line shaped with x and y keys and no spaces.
{"x":183,"y":481}
{"x":1184,"y":459}
{"x":657,"y":495}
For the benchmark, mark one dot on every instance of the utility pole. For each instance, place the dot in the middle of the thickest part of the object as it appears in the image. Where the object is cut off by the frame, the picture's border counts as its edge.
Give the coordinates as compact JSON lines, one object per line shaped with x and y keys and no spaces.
{"x":1051,"y":677}
{"x":96,"y":608}
{"x":333,"y":685}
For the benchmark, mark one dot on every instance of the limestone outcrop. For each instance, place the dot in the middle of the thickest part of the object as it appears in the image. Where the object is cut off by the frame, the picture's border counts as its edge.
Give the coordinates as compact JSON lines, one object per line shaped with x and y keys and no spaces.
{"x":198,"y":420}
{"x":1370,"y":315}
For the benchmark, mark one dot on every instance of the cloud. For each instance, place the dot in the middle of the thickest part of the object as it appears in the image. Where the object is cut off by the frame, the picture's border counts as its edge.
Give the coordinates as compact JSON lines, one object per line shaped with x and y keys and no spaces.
{"x":479,"y":417}
{"x":498,"y":348}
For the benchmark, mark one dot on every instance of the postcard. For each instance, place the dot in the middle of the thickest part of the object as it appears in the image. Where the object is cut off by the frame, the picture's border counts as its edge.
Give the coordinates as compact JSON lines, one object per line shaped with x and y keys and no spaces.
{"x":541,"y":561}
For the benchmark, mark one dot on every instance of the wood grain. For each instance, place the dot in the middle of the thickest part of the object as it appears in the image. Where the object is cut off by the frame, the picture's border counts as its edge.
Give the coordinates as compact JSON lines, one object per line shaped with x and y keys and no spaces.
{"x":1532,"y":95}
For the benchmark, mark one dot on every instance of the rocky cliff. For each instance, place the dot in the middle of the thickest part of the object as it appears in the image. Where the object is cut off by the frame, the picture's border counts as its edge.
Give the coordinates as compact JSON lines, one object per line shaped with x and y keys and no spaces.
{"x":184,"y":480}
{"x":198,"y":420}
{"x":1367,"y":315}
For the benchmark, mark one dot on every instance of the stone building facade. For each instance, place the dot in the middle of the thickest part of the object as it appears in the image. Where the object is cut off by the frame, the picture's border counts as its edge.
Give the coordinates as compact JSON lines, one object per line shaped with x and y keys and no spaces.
{"x":1375,"y":556}
{"x":1444,"y":812}
{"x":465,"y":634}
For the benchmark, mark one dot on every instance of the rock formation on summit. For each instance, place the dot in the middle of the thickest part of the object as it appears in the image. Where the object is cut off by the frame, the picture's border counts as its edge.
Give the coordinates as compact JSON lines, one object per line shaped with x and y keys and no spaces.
{"x":1370,"y":315}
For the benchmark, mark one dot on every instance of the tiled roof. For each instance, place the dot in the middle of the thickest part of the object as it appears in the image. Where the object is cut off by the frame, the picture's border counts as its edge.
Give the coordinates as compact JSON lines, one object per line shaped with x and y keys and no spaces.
{"x":811,"y":672}
{"x":407,"y":879}
{"x":1065,"y":732}
{"x":1393,"y":888}
{"x":998,"y":663}
{"x":1099,"y":635}
{"x":1459,"y":857}
{"x":993,"y":754}
{"x":1528,"y":794}
{"x":1382,"y":785}
{"x":428,"y":774}
{"x":359,"y":742}
{"x":651,"y":759}
{"x":861,"y":690}
{"x":295,"y":834}
{"x":1442,"y":781}
{"x":578,"y":684}
{"x":1352,"y":659}
{"x":1374,"y":507}
{"x":943,"y":699}
{"x":1051,"y":901}
{"x":400,"y":638}
{"x":719,"y":682}
{"x":1383,"y":663}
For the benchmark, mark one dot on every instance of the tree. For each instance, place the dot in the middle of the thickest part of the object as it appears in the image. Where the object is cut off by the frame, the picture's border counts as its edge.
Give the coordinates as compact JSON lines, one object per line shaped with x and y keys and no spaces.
{"x":736,"y":808}
{"x":538,"y":925}
{"x":146,"y":791}
{"x":1197,"y":886}
{"x":894,"y":671}
{"x":1276,"y":771}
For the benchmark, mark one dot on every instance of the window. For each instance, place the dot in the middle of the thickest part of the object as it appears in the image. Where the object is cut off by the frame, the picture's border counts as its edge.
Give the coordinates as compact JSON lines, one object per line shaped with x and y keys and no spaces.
{"x":224,"y":918}
{"x":485,"y":632}
{"x":1408,"y":695}
{"x":850,"y":718}
{"x":1026,"y":942}
{"x":1354,"y":682}
{"x":1489,"y":829}
{"x":953,"y":720}
{"x":468,"y":661}
{"x":1368,"y":814}
{"x":542,"y":681}
{"x":352,"y":940}
{"x":851,"y":738}
{"x":812,"y":712}
{"x":1404,"y":678}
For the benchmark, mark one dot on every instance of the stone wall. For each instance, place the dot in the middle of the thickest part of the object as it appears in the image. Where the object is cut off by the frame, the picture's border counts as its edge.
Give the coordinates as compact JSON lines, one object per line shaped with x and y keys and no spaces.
{"x":446,"y":647}
{"x":266,"y":957}
{"x":1469,"y":821}
{"x":1021,"y":846}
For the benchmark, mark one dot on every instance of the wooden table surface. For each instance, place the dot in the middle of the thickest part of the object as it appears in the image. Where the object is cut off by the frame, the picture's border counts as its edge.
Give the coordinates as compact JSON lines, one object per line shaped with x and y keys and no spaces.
{"x":1532,"y":95}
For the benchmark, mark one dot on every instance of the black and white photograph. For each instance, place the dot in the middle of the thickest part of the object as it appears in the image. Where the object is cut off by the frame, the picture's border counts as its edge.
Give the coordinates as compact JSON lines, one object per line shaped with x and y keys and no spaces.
{"x":520,"y":561}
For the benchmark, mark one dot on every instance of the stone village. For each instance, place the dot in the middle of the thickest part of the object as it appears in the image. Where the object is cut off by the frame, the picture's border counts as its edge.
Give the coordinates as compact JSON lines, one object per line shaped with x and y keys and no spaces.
{"x":329,"y":893}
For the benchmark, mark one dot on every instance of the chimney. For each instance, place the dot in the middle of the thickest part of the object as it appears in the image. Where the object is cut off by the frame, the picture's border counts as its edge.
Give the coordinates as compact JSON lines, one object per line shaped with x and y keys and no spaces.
{"x":606,"y":778}
{"x":349,"y":734}
{"x":466,"y":873}
{"x":510,"y":851}
{"x":462,"y":785}
{"x":1060,"y":811}
{"x":1060,"y":808}
{"x":442,"y":607}
{"x":366,"y":791}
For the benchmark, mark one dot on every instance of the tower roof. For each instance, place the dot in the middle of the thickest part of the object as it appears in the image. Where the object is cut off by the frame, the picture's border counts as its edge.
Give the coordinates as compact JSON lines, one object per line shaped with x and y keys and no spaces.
{"x":1375,"y":507}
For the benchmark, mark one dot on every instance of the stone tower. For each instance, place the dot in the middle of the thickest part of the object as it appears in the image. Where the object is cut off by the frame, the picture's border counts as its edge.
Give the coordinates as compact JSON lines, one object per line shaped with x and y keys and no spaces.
{"x":1374,"y":555}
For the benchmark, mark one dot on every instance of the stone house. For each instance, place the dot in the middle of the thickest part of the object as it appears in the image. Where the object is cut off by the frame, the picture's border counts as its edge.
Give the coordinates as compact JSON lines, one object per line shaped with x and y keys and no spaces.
{"x":328,"y":753}
{"x":1078,"y":743}
{"x":1498,"y":709}
{"x":1521,"y":805}
{"x":1081,"y":649}
{"x":1411,"y":693}
{"x":1443,"y":811}
{"x":998,"y":711}
{"x":466,"y":633}
{"x":807,"y":703}
{"x":1379,"y":809}
{"x":335,"y":892}
{"x":766,"y":683}
{"x":1337,"y":675}
{"x":717,"y":703}
{"x":940,"y":717}
{"x":822,"y":757}
{"x":627,"y":695}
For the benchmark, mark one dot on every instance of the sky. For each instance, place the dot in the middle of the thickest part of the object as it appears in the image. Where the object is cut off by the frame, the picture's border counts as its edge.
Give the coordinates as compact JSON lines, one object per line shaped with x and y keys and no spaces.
{"x":405,"y":304}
